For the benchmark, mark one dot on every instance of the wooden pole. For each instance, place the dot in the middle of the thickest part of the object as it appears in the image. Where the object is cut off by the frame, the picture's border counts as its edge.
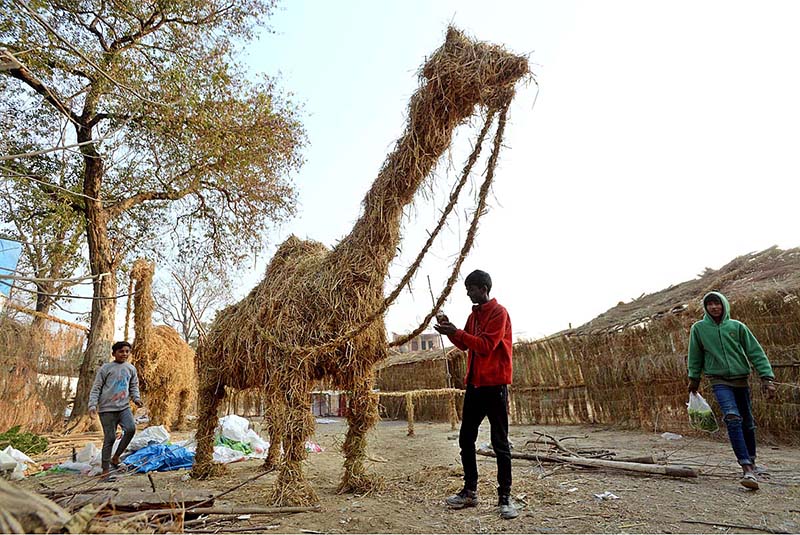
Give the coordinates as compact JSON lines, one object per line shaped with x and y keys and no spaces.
{"x":672,"y":471}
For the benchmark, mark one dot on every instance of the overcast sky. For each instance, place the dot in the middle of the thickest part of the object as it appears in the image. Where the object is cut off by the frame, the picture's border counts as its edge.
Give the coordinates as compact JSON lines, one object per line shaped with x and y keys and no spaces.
{"x":663,"y":141}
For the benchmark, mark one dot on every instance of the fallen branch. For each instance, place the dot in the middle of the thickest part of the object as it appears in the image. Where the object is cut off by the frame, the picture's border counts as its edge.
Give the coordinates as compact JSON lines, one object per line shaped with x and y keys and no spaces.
{"x":257,"y":529}
{"x":672,"y":471}
{"x":222,"y":510}
{"x":553,"y":440}
{"x":240,"y":485}
{"x":737,"y":526}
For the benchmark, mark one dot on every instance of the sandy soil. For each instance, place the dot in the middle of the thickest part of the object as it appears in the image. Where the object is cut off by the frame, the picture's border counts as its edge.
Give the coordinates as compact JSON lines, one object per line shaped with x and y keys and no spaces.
{"x":421,"y":471}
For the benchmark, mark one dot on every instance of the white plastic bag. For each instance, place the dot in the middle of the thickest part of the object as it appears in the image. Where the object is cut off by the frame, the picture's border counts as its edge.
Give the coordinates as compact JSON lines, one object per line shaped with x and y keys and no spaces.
{"x":7,"y":462}
{"x":701,"y":417}
{"x":17,"y":455}
{"x":89,"y":454}
{"x":156,"y":434}
{"x":259,"y":445}
{"x":224,"y":454}
{"x":234,"y":427}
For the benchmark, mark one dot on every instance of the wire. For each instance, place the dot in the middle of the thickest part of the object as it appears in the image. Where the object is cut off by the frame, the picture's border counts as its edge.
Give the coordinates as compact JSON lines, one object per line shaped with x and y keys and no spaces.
{"x":29,"y":177}
{"x":43,"y":279}
{"x":62,"y":296}
{"x":9,"y":238}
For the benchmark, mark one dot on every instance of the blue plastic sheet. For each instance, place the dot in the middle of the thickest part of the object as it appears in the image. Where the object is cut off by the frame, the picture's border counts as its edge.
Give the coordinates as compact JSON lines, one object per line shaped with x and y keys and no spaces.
{"x":160,"y":458}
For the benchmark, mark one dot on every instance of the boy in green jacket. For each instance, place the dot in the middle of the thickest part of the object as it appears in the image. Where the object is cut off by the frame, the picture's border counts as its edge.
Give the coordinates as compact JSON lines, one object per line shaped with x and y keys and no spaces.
{"x":724,"y":349}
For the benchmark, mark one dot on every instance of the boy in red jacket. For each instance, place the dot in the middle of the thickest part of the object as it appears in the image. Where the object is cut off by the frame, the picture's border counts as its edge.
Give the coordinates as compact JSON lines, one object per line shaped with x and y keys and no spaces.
{"x":487,"y":340}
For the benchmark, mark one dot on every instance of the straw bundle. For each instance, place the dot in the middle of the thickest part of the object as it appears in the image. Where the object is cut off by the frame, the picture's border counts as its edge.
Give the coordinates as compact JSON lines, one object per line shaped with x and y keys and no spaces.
{"x":316,"y":313}
{"x":20,"y":399}
{"x":163,"y":360}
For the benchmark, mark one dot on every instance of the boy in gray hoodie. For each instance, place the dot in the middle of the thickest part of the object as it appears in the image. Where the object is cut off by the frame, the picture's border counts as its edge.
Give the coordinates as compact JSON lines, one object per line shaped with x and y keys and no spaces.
{"x":115,"y":384}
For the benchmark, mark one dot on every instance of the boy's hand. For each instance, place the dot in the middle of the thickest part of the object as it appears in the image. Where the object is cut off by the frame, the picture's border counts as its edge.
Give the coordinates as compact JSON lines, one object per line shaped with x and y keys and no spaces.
{"x":446,"y":328}
{"x":93,"y":412}
{"x":694,"y":384}
{"x":768,"y":388}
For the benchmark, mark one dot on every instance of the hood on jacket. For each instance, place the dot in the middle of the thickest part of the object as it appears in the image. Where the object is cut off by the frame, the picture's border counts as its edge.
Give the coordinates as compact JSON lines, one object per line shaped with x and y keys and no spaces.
{"x":726,"y":307}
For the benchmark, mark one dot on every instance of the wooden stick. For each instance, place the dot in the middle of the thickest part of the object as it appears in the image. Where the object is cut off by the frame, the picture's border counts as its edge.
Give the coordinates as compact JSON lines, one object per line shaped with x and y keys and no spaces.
{"x":233,"y":530}
{"x":221,"y":510}
{"x":673,"y":471}
{"x":737,"y":526}
{"x":557,"y":443}
{"x":205,"y":519}
{"x":240,"y":485}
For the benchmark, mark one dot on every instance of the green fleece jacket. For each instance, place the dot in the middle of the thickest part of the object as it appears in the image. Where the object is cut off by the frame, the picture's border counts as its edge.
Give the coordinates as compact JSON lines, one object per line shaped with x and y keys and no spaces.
{"x":727,"y":349}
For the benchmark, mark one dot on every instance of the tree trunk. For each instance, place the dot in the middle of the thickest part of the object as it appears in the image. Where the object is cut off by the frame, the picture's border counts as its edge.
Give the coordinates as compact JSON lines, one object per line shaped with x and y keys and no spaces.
{"x":43,"y":302}
{"x":101,"y":260}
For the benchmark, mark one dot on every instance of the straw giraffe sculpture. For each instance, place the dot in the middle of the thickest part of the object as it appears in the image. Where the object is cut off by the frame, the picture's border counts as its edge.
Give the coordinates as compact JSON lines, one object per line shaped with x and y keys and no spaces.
{"x":272,"y":339}
{"x":163,"y":360}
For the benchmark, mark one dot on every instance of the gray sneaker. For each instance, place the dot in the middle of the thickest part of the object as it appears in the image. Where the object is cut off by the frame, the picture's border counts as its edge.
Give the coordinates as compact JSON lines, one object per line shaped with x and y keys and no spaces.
{"x":507,"y":508}
{"x":749,"y":481}
{"x":465,"y":498}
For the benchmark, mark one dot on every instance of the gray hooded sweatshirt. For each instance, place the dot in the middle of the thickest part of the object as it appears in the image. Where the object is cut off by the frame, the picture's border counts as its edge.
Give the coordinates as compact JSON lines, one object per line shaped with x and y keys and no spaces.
{"x":114,"y":386}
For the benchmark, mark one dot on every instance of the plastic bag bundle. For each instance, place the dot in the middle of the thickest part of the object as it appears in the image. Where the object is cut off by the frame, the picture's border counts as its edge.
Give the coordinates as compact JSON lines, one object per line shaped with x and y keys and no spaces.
{"x":701,"y":417}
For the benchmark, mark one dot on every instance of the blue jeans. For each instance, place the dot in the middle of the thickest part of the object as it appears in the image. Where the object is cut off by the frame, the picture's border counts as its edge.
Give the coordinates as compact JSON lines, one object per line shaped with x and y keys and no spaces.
{"x":738,"y":418}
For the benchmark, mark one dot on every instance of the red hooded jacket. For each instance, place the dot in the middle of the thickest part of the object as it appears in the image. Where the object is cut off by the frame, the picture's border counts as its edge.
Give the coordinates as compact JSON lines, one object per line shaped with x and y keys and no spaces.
{"x":487,"y":339}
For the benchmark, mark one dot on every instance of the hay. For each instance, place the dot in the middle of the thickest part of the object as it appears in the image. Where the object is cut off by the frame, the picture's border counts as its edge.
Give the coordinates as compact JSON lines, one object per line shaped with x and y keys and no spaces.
{"x":21,"y":401}
{"x":163,"y":360}
{"x":452,"y":412}
{"x":316,"y":314}
{"x":410,"y":413}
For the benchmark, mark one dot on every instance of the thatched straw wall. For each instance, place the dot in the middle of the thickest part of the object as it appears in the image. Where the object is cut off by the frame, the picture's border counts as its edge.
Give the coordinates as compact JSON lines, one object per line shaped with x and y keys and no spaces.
{"x":637,"y":377}
{"x":634,"y":377}
{"x":417,"y":371}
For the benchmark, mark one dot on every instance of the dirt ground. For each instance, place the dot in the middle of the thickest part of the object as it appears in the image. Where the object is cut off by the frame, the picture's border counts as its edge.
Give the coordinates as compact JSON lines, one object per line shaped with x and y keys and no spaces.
{"x":421,"y":471}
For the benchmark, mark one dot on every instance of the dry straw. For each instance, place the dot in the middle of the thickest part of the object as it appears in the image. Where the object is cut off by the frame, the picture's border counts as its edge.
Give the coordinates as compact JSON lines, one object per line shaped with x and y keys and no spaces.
{"x":163,"y":360}
{"x":315,"y":315}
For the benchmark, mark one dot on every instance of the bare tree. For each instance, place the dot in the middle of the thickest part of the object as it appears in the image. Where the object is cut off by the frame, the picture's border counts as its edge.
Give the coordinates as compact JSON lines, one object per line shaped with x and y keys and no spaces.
{"x":204,"y":286}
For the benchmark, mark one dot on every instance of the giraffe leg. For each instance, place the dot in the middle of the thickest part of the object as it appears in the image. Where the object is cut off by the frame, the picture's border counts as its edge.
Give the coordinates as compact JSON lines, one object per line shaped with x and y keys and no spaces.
{"x":180,"y":414}
{"x":296,"y":426}
{"x":209,"y":396}
{"x":272,"y":417}
{"x":158,"y":409}
{"x":361,"y":417}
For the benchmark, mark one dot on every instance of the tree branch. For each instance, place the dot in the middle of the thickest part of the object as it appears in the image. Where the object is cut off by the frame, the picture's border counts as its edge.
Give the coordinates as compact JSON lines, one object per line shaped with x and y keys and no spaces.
{"x":125,"y":204}
{"x":20,"y":72}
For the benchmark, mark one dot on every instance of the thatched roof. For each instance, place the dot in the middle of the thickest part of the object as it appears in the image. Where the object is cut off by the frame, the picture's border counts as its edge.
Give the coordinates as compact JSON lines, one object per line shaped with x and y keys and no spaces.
{"x":767,"y":272}
{"x":395,"y":357}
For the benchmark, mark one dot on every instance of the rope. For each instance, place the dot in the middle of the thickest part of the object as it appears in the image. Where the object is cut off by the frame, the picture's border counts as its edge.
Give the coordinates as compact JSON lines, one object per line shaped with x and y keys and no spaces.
{"x":313,"y":350}
{"x":128,"y":309}
{"x":479,"y":210}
